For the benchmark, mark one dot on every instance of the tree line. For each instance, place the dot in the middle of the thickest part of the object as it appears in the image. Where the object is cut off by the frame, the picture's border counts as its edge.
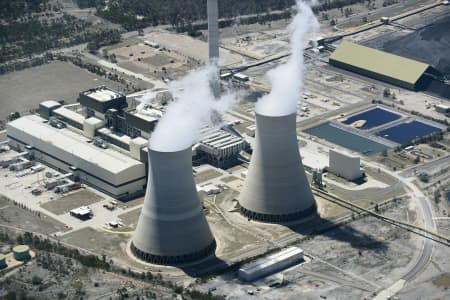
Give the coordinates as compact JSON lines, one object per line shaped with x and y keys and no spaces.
{"x":12,"y":10}
{"x":21,"y":38}
{"x":172,"y":12}
{"x":182,"y":13}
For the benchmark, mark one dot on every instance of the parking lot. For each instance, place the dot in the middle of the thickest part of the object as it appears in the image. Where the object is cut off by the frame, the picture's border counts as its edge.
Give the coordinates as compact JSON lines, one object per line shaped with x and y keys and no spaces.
{"x":57,"y":206}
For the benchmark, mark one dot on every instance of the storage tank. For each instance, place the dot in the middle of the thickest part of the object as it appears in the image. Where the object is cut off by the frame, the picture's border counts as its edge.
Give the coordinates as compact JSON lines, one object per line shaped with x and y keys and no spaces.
{"x":172,"y":227}
{"x":21,"y":252}
{"x":276,"y":188}
{"x":2,"y":261}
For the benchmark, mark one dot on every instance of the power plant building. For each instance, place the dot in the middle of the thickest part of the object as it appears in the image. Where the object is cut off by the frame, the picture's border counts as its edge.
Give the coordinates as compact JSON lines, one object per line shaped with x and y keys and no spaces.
{"x":276,"y":188}
{"x":220,"y":149}
{"x":346,"y":166}
{"x":103,"y":140}
{"x":112,"y":172}
{"x":383,"y":66}
{"x":172,"y":228}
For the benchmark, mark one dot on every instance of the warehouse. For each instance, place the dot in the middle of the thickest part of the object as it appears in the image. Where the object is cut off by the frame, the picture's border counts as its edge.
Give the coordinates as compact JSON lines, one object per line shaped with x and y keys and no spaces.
{"x":112,"y":172}
{"x":383,"y":66}
{"x":271,"y":264}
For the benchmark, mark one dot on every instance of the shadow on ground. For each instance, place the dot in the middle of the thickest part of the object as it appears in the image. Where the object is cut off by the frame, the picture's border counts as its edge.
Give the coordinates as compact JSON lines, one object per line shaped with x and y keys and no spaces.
{"x":209,"y":266}
{"x":346,"y":233}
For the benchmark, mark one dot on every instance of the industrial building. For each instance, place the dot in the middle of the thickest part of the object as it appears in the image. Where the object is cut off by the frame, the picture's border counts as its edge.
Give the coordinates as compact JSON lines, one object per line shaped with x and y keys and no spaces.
{"x":443,"y":109}
{"x":172,"y":228}
{"x":219,"y":148}
{"x":383,"y":66}
{"x":82,"y":213}
{"x":112,"y":172}
{"x":271,"y":264}
{"x":103,"y":139}
{"x":346,"y":166}
{"x":276,"y":188}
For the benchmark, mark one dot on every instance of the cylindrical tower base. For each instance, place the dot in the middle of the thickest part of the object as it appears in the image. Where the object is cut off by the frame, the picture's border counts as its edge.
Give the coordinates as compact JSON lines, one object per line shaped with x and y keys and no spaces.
{"x":174,"y":260}
{"x":278,"y":218}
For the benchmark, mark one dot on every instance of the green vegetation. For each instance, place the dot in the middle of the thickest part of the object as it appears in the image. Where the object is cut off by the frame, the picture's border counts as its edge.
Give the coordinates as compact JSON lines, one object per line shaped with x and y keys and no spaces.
{"x":182,"y":14}
{"x":63,"y":266}
{"x":88,"y":3}
{"x":30,"y":27}
{"x":12,"y":10}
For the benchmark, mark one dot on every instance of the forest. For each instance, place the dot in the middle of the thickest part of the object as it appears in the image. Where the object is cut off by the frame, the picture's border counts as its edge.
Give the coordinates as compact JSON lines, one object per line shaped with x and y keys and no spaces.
{"x":179,"y":13}
{"x":35,"y":26}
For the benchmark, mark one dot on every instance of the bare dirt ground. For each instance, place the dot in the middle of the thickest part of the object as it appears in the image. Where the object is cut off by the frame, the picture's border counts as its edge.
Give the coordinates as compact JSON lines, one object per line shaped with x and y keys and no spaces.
{"x":22,"y":218}
{"x":67,"y":203}
{"x":23,"y":90}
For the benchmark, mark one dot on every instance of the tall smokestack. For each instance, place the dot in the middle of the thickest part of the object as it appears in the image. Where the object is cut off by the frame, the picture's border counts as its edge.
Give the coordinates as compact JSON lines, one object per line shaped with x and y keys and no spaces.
{"x":172,"y":228}
{"x":213,"y":30}
{"x":213,"y":43}
{"x":276,"y":188}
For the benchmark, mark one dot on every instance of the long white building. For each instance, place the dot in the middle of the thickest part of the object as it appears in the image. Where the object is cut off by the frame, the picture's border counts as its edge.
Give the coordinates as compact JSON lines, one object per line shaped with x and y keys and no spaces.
{"x":271,"y":264}
{"x":107,"y":170}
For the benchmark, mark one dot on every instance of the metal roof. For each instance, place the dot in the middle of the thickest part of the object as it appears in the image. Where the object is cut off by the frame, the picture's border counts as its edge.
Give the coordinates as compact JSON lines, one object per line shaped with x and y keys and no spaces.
{"x":74,"y":146}
{"x":81,"y":211}
{"x":102,"y":94}
{"x":380,"y":62}
{"x":272,"y":259}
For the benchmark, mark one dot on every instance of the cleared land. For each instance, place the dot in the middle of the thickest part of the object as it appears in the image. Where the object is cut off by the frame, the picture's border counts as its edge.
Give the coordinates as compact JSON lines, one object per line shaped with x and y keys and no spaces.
{"x":131,"y":218}
{"x":206,"y":175}
{"x":97,"y":241}
{"x":67,"y":203}
{"x":12,"y":215}
{"x":23,"y":90}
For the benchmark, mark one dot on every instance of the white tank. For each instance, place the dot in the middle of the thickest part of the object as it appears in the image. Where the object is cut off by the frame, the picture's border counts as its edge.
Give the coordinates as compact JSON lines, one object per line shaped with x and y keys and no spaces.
{"x":276,"y":188}
{"x":172,"y":228}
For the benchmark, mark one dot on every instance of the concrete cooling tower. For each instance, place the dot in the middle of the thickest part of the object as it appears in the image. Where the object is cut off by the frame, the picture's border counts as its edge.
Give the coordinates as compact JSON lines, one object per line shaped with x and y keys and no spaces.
{"x":276,"y":188}
{"x":172,"y":228}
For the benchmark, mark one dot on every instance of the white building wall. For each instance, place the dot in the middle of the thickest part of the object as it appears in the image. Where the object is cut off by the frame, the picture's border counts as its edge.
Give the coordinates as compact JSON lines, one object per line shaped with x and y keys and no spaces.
{"x":348,"y":167}
{"x":128,"y":181}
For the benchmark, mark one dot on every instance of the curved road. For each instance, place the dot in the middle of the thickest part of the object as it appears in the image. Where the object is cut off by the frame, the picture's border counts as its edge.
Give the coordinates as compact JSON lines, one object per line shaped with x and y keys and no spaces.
{"x":428,"y":245}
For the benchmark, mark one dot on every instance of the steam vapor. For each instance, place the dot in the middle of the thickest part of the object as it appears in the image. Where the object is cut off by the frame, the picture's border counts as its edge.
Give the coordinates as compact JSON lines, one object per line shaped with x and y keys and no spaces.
{"x":287,"y":79}
{"x":194,"y":107}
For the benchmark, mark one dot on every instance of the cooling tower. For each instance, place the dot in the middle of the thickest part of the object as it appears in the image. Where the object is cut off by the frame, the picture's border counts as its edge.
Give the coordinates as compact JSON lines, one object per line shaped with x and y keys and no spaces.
{"x":172,"y":228}
{"x":276,"y":188}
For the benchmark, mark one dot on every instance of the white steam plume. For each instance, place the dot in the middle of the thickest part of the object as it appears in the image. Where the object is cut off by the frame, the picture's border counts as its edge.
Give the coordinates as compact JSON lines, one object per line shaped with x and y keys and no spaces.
{"x":193,"y":108}
{"x":287,"y":79}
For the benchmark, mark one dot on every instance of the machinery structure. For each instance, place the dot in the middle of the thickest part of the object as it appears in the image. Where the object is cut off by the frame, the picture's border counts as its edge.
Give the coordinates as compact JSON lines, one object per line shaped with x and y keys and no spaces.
{"x":276,"y":188}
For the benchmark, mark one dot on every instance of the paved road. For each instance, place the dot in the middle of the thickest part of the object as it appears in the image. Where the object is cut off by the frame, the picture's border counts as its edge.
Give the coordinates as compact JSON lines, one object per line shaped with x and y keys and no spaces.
{"x":428,"y":245}
{"x":427,"y":212}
